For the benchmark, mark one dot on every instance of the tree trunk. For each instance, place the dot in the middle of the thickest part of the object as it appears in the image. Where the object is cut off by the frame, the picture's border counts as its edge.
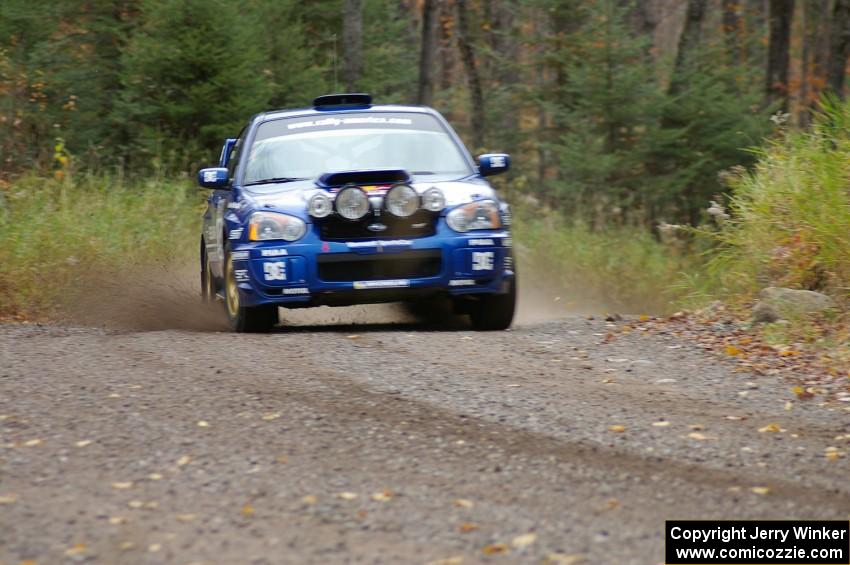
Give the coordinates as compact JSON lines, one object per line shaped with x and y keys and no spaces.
{"x":688,"y":42}
{"x":352,"y":44}
{"x":732,"y":29}
{"x":467,"y":55}
{"x":425,"y":94}
{"x":839,"y":47}
{"x":776,"y":77}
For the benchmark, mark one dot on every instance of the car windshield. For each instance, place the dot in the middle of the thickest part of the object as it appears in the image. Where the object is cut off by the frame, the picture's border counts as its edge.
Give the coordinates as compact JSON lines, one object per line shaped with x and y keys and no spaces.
{"x":306,"y":148}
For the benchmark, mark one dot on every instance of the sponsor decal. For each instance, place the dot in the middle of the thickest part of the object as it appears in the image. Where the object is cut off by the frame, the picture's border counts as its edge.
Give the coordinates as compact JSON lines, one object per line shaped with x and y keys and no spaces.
{"x":274,"y":270}
{"x":397,"y":283}
{"x":236,"y":234}
{"x":240,"y":255}
{"x":376,"y":227}
{"x":273,"y":252}
{"x":379,"y":243}
{"x":488,"y":242}
{"x":349,"y":121}
{"x":482,"y":260}
{"x":326,"y":247}
{"x":509,"y":262}
{"x":296,"y":291}
{"x":508,"y":242}
{"x":241,"y":274}
{"x":462,"y":282}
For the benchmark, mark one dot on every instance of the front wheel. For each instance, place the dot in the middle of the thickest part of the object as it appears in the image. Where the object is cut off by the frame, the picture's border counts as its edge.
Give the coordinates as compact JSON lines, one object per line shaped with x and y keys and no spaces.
{"x":494,"y":312}
{"x":250,"y":319}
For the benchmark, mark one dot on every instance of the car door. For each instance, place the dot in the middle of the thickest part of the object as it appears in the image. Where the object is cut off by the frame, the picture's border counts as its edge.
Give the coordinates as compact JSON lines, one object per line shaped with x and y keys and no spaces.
{"x":217,"y":205}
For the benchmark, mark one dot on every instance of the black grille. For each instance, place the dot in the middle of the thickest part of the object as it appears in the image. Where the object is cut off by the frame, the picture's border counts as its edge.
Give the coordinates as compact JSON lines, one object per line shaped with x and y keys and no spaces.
{"x":420,"y":224}
{"x":348,"y":267}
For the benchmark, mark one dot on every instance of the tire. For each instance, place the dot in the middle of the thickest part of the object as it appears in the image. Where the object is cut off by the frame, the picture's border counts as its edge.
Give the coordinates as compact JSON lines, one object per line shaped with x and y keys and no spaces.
{"x":244,"y":319}
{"x":208,"y":286}
{"x":494,"y":312}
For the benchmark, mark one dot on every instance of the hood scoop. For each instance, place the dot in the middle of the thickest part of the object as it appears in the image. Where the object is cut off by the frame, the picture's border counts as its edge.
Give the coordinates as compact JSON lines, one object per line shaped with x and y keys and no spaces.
{"x":386,"y":176}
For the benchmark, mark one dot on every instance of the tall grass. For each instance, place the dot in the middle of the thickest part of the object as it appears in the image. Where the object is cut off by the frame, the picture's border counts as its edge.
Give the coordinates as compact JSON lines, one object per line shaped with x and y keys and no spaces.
{"x":789,"y":221}
{"x":57,"y":234}
{"x":618,"y":268}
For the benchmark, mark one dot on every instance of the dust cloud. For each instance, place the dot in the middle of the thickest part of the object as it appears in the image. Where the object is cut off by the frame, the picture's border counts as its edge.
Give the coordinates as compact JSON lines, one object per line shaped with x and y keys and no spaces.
{"x":167,"y":297}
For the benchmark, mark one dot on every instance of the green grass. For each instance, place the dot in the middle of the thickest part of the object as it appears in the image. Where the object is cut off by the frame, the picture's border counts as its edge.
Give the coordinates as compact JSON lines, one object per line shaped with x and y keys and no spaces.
{"x":789,"y":219}
{"x":618,"y":269}
{"x":58,"y":234}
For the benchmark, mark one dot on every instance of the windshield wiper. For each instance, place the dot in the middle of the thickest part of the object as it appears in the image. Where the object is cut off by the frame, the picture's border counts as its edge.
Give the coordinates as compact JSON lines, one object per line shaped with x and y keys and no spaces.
{"x":273,"y":180}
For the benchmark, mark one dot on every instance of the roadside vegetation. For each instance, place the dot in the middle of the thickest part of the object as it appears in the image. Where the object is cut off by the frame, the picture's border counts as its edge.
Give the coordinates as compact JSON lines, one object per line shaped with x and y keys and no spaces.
{"x":61,"y":234}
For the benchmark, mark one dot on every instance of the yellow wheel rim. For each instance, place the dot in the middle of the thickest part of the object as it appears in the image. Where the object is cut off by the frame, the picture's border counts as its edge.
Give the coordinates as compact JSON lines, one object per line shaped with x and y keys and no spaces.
{"x":231,"y":288}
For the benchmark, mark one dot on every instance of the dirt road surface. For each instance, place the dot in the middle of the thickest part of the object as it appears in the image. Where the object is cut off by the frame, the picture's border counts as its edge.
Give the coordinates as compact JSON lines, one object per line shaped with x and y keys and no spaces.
{"x":391,"y":444}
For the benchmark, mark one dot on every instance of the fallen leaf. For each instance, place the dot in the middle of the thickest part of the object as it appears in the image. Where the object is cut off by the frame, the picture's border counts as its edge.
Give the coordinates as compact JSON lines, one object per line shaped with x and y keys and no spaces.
{"x":76,"y":549}
{"x":186,"y":517}
{"x":456,"y":560}
{"x":732,"y":351}
{"x":617,"y":428}
{"x":117,"y":520}
{"x":347,"y":495}
{"x":760,"y":490}
{"x":383,"y":496}
{"x":247,"y":510}
{"x":155,"y":477}
{"x":33,"y":442}
{"x":126,"y":545}
{"x":8,"y":499}
{"x":789,"y":405}
{"x":698,"y":436}
{"x":271,"y":416}
{"x":770,"y":428}
{"x":122,"y":486}
{"x":466,"y":527}
{"x":563,"y":559}
{"x":135,"y":504}
{"x":309,"y":499}
{"x":183,"y":461}
{"x":463,"y":503}
{"x":353,"y":336}
{"x":495,"y":549}
{"x":203,"y":424}
{"x":154,"y":547}
{"x":662,"y":424}
{"x":83,"y":443}
{"x":524,"y":540}
{"x":833,"y":455}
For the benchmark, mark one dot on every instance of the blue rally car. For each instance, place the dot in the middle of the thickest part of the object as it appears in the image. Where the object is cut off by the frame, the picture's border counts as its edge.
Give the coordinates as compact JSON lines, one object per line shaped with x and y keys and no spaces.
{"x":352,"y":203}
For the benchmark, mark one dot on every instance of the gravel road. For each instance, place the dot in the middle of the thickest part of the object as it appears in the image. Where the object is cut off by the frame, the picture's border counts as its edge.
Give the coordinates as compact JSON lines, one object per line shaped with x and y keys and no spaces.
{"x":392,"y":444}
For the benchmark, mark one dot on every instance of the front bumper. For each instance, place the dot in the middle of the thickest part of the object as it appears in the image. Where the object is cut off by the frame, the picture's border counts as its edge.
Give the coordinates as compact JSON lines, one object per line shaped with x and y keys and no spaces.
{"x":311,"y":272}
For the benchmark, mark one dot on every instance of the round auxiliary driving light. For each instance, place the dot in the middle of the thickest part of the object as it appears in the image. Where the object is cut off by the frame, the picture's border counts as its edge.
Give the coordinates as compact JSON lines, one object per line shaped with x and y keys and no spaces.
{"x":402,"y":201}
{"x":351,"y":203}
{"x":433,"y":200}
{"x":320,"y":206}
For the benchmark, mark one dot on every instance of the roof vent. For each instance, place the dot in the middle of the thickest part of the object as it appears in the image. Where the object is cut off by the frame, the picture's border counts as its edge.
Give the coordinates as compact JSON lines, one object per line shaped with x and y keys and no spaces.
{"x":348,"y":100}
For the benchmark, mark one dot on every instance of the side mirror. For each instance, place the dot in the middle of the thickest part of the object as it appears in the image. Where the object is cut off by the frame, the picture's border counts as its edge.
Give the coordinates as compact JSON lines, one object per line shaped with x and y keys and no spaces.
{"x":493,"y":164}
{"x":225,"y":151}
{"x":215,"y":177}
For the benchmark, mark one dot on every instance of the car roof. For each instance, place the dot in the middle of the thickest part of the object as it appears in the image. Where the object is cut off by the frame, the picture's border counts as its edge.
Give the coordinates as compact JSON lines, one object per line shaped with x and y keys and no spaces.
{"x":327,"y":111}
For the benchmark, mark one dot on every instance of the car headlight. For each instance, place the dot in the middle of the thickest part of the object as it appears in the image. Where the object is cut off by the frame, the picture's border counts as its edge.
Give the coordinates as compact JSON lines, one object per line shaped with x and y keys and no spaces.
{"x":320,"y":206}
{"x":433,"y":200}
{"x":478,"y":215}
{"x":351,"y":203}
{"x":266,"y":226}
{"x":402,"y":201}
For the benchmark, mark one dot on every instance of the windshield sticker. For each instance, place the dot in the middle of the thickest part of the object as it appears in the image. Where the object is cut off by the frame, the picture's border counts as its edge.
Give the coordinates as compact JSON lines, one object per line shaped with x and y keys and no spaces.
{"x":336,"y":122}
